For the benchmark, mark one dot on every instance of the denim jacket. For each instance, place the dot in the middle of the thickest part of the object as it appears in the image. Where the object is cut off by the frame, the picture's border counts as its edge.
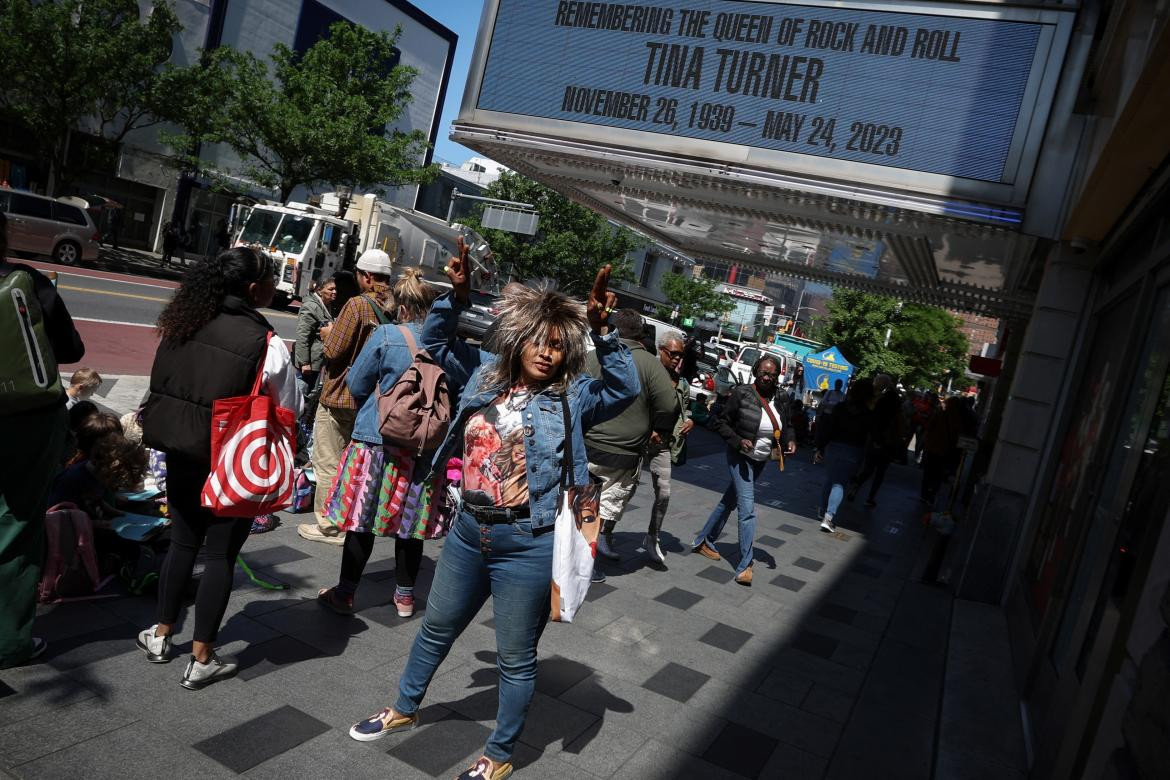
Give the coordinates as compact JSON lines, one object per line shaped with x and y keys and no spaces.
{"x":383,"y":359}
{"x":590,"y":401}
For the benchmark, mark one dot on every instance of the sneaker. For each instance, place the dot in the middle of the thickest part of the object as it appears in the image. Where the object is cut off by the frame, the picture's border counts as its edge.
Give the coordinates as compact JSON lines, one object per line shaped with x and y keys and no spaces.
{"x":378,"y":726}
{"x":597,"y":576}
{"x":745,"y":577}
{"x":39,"y":646}
{"x":331,"y":599}
{"x":605,"y":547}
{"x":198,"y":675}
{"x":157,"y":648}
{"x":313,"y":533}
{"x":486,"y":769}
{"x":707,"y":551}
{"x":404,"y":604}
{"x":653,"y":549}
{"x":827,"y":524}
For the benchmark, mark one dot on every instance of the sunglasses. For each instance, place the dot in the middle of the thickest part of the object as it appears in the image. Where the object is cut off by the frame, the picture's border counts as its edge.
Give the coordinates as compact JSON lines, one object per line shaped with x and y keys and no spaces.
{"x":673,"y":354}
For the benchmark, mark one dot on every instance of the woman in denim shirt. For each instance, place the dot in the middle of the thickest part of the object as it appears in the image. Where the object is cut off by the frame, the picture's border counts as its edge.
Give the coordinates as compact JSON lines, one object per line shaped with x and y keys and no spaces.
{"x":381,"y":489}
{"x":510,"y":429}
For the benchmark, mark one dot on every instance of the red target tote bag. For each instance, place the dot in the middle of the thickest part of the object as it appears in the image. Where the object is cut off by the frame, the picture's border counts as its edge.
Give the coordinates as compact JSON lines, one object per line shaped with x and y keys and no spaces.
{"x":251,"y":455}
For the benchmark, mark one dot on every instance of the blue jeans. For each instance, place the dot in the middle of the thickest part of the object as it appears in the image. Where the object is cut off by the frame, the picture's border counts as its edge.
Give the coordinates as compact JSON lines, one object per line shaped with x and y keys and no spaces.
{"x":507,"y":562}
{"x":841,"y":463}
{"x":741,"y":496}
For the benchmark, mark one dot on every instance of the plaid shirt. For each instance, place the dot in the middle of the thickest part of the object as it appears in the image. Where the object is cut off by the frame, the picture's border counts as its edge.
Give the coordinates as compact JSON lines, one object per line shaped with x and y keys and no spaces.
{"x":351,"y":329}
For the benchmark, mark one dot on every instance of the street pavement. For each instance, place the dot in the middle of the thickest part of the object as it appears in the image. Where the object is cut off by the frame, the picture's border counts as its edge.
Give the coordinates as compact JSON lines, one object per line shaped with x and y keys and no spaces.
{"x":116,"y":312}
{"x":831,"y":665}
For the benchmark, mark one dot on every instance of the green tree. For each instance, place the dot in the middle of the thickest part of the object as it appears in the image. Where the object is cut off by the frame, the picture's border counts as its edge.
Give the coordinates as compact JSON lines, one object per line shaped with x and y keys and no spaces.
{"x":931,"y":345}
{"x":571,"y":243}
{"x":925,"y":345}
{"x":83,"y":65}
{"x":857,"y":323}
{"x":317,"y":118}
{"x":698,"y":298}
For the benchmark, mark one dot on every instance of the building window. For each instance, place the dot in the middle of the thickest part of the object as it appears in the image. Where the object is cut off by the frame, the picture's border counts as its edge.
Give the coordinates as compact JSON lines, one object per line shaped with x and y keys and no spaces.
{"x":647,"y":267}
{"x":430,"y":254}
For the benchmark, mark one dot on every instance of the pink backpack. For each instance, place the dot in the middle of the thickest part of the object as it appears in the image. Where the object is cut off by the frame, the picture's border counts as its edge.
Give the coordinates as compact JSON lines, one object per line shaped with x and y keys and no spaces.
{"x":416,"y":410}
{"x":71,"y":567}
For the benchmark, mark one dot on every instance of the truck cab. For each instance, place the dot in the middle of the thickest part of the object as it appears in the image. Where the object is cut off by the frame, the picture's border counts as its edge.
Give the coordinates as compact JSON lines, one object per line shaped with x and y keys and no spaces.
{"x":307,"y":243}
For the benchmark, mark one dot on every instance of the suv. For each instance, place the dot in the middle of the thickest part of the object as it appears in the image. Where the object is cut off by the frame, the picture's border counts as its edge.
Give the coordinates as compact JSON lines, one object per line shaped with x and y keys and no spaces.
{"x":38,"y":225}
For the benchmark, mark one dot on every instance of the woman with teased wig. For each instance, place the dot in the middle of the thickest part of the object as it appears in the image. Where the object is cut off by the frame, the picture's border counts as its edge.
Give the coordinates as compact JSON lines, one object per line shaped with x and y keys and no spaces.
{"x":501,"y":543}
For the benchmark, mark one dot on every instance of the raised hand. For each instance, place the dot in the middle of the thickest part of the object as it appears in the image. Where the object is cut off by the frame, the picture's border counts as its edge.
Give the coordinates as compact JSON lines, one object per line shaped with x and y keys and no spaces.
{"x":601,"y":301}
{"x":458,"y":270}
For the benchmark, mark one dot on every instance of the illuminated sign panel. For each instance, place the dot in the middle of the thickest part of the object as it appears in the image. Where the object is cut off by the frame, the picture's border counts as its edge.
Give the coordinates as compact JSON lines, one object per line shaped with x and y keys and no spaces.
{"x":934,"y":93}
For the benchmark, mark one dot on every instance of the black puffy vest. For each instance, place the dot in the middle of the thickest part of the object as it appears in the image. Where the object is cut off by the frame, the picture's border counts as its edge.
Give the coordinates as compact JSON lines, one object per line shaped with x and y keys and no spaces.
{"x":220,"y":361}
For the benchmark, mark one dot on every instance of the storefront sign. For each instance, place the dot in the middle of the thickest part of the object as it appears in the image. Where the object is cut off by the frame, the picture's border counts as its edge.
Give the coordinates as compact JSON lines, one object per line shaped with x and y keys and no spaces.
{"x":949,"y":93}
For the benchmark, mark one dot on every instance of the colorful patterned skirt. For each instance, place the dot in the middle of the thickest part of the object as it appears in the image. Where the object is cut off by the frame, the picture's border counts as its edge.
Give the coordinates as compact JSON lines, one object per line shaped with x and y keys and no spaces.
{"x":375,"y":490}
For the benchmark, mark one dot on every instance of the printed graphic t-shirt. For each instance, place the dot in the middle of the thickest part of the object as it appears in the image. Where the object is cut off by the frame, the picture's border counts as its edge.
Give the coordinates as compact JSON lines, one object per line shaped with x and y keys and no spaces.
{"x":493,"y":453}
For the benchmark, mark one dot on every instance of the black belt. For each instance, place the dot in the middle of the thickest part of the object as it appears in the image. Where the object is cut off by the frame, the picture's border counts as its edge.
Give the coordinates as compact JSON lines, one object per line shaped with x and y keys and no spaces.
{"x":490,"y":515}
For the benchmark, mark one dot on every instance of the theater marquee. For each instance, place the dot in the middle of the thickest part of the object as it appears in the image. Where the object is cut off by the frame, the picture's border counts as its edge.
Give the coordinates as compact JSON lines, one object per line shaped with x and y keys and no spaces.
{"x":919,"y":96}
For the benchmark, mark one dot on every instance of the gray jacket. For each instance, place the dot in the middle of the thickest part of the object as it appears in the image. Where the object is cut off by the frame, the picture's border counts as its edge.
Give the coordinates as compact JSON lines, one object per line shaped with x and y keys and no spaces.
{"x":313,"y":315}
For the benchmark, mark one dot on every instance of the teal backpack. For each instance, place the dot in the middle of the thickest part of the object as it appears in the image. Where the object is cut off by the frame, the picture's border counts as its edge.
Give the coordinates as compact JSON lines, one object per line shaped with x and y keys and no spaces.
{"x":28,"y":369}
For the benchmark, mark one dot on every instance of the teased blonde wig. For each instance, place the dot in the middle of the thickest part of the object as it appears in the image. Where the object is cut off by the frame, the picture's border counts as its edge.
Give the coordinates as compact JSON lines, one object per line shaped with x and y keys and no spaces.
{"x":533,"y":315}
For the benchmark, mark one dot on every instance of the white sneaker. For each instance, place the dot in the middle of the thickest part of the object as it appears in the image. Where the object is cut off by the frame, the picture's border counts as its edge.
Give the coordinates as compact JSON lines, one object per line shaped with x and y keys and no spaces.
{"x":199,"y":675}
{"x":653,"y":550}
{"x":157,"y":648}
{"x":827,"y":524}
{"x":605,"y":547}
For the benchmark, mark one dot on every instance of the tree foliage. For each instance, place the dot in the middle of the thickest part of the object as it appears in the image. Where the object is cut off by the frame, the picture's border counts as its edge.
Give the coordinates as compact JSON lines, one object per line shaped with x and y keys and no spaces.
{"x":925,"y":342}
{"x":571,"y":243}
{"x":931,"y":344}
{"x":95,"y":65}
{"x":313,"y":119}
{"x":697,"y":298}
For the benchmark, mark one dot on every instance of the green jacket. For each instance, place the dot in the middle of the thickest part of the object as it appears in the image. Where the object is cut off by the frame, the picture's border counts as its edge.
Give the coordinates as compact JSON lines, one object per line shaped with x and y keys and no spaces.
{"x":682,"y":391}
{"x":655,"y":406}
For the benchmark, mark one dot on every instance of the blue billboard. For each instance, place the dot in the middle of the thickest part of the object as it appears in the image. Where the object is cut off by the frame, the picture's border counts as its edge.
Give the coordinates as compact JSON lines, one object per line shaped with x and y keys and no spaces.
{"x":941,"y":94}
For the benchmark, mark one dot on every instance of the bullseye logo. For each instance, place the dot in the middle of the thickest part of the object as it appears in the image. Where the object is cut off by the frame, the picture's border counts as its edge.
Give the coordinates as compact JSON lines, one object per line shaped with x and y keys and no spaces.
{"x":254,"y":470}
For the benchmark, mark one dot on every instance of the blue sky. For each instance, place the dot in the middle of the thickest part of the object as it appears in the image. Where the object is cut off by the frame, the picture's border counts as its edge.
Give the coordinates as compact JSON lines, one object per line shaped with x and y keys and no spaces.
{"x":462,"y":17}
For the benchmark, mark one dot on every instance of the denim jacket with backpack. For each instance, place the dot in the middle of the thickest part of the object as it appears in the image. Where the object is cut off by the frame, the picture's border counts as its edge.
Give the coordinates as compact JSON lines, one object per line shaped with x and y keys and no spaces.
{"x":379,"y":365}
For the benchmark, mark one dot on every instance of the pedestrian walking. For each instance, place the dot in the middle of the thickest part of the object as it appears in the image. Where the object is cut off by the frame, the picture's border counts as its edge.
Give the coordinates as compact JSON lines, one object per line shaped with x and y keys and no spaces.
{"x":754,"y":423}
{"x":342,"y":341}
{"x":617,"y":447}
{"x":170,"y":242}
{"x":940,"y":447}
{"x":845,"y":433}
{"x":665,"y":452}
{"x":32,"y":449}
{"x":521,"y":412}
{"x":886,"y":439}
{"x":213,"y":340}
{"x":382,"y":489}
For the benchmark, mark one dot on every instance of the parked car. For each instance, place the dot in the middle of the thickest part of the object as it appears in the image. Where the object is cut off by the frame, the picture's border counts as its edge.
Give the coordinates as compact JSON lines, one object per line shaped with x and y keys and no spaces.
{"x":49,"y":227}
{"x":478,"y":317}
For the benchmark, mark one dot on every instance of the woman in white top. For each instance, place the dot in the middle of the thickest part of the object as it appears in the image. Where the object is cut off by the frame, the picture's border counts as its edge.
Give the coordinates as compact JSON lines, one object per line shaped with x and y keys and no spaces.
{"x":755,"y":425}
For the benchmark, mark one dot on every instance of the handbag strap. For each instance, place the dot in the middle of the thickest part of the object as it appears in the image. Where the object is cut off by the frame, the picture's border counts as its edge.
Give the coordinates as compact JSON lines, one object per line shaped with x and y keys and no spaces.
{"x":263,"y":359}
{"x":567,"y":457}
{"x":771,"y":416}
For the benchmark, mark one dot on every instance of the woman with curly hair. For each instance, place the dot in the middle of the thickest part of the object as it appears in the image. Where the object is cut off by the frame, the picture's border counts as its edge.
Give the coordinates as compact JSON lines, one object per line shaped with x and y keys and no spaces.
{"x":213,"y":341}
{"x":500,"y":544}
{"x":382,"y":489}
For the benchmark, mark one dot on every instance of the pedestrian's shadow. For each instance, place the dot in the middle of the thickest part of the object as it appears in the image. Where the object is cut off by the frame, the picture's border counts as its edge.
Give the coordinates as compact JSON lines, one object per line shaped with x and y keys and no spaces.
{"x":554,"y":676}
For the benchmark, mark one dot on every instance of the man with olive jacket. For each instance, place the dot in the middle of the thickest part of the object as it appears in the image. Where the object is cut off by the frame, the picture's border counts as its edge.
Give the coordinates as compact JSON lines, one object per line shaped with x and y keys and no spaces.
{"x":754,"y":423}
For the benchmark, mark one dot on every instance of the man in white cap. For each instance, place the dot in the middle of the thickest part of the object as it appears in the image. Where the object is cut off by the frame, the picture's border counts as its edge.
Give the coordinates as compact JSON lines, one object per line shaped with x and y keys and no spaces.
{"x":341,"y":342}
